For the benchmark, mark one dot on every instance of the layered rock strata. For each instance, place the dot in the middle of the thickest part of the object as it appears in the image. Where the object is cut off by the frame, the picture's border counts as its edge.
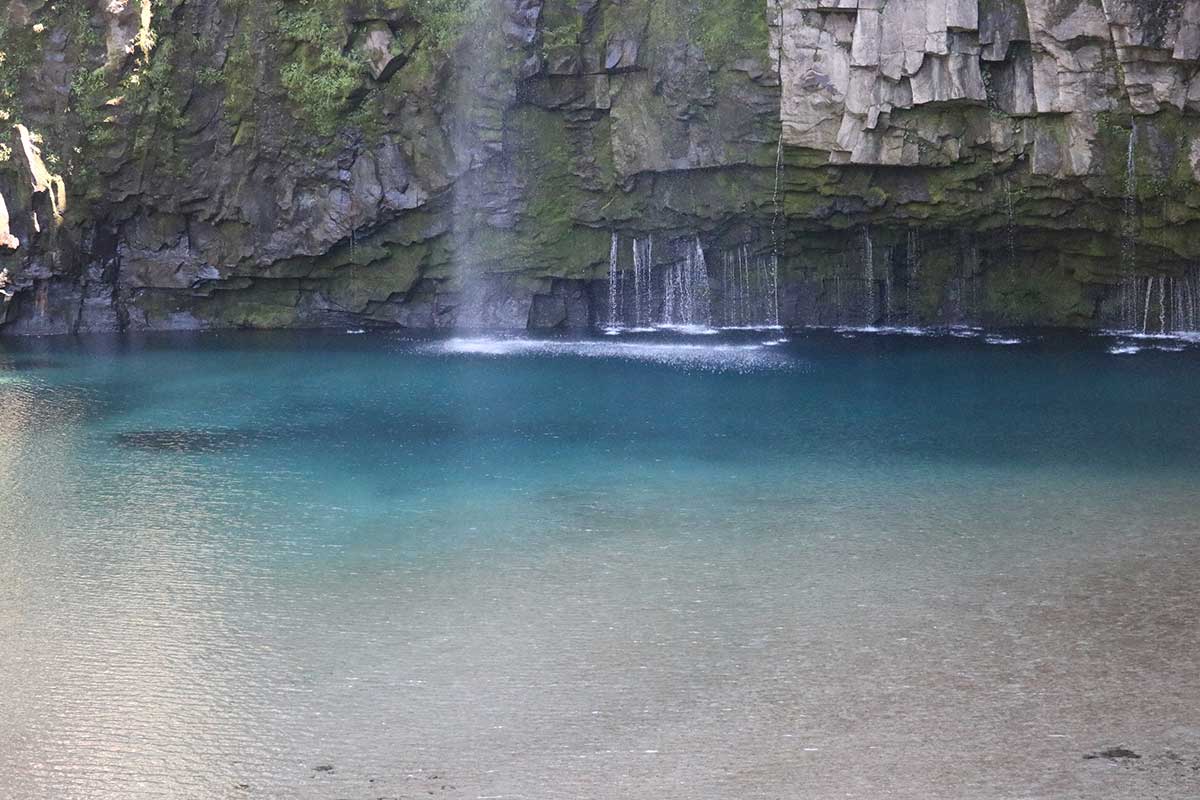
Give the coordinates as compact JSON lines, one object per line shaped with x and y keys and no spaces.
{"x":226,"y":163}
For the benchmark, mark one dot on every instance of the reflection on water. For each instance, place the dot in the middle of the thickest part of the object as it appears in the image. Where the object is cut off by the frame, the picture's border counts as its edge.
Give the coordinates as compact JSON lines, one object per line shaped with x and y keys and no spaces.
{"x":360,"y":567}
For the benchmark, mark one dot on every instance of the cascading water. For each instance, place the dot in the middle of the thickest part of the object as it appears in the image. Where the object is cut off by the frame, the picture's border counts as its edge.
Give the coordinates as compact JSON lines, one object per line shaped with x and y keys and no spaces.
{"x":614,"y":284}
{"x":643,"y":287}
{"x":774,"y":319}
{"x":749,"y":296}
{"x":1165,"y":305}
{"x":963,"y":288}
{"x":681,"y":293}
{"x":888,"y":287}
{"x":479,"y":97}
{"x":1011,"y":229}
{"x":912,"y":255}
{"x":1185,"y":302}
{"x":869,"y":299}
{"x":912,"y":266}
{"x":687,"y":297}
{"x":775,"y":206}
{"x":1129,"y":289}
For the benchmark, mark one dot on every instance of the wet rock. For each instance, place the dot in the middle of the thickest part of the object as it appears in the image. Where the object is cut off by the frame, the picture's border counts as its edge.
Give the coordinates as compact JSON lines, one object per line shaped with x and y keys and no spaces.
{"x":622,"y":53}
{"x":517,"y":148}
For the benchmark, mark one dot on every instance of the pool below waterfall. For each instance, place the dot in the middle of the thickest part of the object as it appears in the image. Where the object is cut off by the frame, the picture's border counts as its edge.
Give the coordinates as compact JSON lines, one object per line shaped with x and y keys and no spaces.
{"x":753,"y":564}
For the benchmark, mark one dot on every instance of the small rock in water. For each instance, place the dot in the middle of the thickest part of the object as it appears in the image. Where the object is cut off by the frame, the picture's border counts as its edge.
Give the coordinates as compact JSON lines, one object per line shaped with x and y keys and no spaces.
{"x":1113,"y":753}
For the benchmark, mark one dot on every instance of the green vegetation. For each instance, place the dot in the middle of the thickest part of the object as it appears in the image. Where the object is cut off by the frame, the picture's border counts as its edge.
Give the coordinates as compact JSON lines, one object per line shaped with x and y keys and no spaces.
{"x":732,"y":29}
{"x":320,"y":77}
{"x":17,"y":52}
{"x":443,"y":21}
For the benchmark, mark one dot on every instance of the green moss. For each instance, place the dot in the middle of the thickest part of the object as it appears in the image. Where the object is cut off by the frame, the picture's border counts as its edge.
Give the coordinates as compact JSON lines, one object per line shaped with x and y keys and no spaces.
{"x":355,"y":286}
{"x":319,"y":77}
{"x":18,"y":53}
{"x":443,"y":22}
{"x":239,"y":77}
{"x":262,"y":305}
{"x":731,"y":29}
{"x":1031,"y":293}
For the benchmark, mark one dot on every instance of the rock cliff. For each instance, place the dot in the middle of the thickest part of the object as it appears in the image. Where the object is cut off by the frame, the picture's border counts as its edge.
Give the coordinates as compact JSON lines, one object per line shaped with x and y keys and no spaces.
{"x":431,"y":163}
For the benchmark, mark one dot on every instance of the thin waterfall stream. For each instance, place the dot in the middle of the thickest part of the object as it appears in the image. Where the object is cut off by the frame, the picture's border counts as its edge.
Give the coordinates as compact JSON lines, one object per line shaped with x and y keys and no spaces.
{"x":1129,"y":207}
{"x":678,"y":289}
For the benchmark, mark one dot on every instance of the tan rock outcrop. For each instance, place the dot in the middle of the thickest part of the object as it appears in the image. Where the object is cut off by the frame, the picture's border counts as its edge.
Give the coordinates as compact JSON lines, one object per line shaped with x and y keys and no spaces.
{"x":40,"y":178}
{"x":7,"y":240}
{"x":860,"y":77}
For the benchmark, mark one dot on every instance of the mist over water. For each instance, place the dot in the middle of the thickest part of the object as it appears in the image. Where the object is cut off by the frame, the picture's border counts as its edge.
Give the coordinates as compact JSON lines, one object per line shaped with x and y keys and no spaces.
{"x":759,"y":564}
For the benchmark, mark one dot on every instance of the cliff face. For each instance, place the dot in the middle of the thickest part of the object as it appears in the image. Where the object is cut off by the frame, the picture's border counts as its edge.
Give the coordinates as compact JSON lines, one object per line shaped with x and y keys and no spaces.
{"x":426,"y":163}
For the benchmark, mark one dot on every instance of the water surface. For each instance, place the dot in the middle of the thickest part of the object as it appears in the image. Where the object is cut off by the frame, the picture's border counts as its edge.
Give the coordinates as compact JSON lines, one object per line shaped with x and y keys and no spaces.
{"x":748,"y":565}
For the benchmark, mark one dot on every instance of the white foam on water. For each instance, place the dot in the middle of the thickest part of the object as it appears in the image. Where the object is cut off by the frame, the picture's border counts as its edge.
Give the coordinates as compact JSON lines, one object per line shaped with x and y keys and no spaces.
{"x":1129,"y":342}
{"x":356,"y":332}
{"x":1186,"y":337}
{"x":850,"y":331}
{"x":1003,"y":340}
{"x":736,"y":357}
{"x":689,"y":330}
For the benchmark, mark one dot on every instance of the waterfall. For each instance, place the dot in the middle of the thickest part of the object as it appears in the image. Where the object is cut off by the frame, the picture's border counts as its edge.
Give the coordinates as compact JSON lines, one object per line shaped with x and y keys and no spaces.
{"x":672,"y":290}
{"x":1184,"y":303}
{"x":746,"y":302}
{"x":912,"y":256}
{"x":749,"y":291}
{"x":964,"y":294}
{"x":614,"y":288}
{"x":643,"y":290}
{"x":686,"y":292}
{"x":1162,"y":306}
{"x":1146,"y":315}
{"x":1129,"y":210}
{"x":887,"y":288}
{"x":839,"y":307}
{"x":774,"y":319}
{"x":674,"y":294}
{"x":1165,"y":305}
{"x":479,"y":95}
{"x":743,"y":292}
{"x":727,"y":316}
{"x":869,"y":304}
{"x":912,"y":267}
{"x":778,"y":173}
{"x":1011,"y":230}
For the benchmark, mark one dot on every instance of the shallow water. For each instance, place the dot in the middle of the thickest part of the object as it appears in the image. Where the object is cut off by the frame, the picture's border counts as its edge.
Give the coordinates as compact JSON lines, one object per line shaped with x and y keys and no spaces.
{"x":760,"y":564}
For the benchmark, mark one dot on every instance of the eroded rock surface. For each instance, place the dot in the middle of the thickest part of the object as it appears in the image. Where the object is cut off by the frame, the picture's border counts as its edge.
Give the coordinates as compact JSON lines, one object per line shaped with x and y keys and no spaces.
{"x":917,"y":83}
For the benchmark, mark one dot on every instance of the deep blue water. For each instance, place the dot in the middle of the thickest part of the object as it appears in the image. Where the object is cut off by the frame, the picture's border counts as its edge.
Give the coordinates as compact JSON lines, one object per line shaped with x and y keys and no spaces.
{"x":754,"y":565}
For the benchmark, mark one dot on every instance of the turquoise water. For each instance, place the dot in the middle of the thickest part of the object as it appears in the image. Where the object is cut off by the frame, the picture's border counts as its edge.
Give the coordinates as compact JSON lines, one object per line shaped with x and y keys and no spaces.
{"x":824,"y":564}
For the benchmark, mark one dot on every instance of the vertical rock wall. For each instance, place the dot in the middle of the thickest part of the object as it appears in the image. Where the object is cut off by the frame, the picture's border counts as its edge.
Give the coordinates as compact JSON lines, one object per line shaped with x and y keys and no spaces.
{"x":225,"y":163}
